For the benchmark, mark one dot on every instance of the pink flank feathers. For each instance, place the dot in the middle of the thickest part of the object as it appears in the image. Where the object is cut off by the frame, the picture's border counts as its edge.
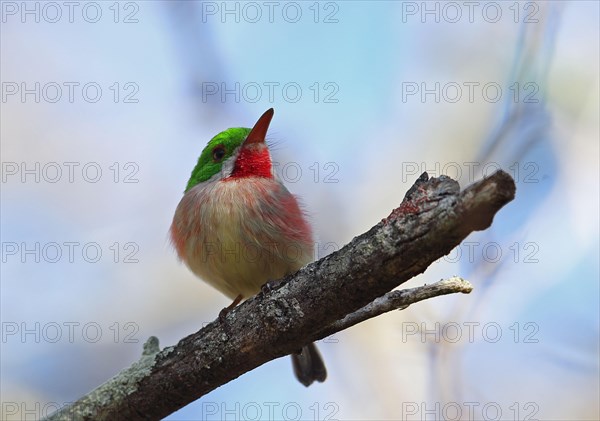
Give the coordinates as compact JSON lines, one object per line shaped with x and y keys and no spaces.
{"x":240,"y":233}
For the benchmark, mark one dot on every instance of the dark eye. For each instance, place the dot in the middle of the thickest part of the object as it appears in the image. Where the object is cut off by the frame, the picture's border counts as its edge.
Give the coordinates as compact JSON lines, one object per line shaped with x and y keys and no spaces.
{"x":218,"y":153}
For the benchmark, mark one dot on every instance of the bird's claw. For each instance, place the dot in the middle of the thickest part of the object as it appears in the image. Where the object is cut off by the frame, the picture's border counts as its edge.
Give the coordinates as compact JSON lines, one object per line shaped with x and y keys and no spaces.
{"x":224,"y":312}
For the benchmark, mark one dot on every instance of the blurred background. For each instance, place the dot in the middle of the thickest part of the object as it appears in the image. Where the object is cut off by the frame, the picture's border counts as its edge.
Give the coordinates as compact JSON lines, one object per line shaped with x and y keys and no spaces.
{"x":107,"y":105}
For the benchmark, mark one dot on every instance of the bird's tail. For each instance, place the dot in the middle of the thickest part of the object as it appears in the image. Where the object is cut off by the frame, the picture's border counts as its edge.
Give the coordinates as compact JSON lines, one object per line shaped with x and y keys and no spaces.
{"x":309,"y":366}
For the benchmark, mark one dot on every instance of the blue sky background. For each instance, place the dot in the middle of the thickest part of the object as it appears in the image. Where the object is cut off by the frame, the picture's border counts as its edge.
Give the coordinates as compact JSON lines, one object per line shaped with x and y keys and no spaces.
{"x":370,"y":142}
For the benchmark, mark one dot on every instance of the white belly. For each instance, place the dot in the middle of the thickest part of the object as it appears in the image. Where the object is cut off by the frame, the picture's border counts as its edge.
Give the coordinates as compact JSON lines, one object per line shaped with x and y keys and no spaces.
{"x":243,"y":233}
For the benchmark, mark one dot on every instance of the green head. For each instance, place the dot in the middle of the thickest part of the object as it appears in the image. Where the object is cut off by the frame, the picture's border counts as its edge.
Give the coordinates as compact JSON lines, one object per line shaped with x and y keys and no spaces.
{"x":238,"y":148}
{"x":218,"y":151}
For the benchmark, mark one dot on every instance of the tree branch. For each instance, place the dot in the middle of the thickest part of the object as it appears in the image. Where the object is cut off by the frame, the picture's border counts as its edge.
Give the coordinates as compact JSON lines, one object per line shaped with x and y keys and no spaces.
{"x":320,"y":299}
{"x":398,"y":300}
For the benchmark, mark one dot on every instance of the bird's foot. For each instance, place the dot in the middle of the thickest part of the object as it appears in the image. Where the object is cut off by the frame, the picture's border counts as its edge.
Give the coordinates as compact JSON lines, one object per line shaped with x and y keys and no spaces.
{"x":223,"y":313}
{"x":269,"y":286}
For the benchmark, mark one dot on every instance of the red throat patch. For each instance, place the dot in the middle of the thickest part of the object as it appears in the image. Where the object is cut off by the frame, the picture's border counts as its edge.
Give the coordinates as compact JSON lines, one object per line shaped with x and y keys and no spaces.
{"x":253,"y":161}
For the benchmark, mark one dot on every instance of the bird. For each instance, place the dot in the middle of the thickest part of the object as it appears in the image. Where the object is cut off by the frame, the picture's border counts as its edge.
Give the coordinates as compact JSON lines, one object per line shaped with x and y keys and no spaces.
{"x":238,"y":228}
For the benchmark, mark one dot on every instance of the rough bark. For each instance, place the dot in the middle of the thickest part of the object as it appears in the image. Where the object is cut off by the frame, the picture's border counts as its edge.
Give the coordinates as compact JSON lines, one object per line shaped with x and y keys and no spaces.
{"x":322,"y":298}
